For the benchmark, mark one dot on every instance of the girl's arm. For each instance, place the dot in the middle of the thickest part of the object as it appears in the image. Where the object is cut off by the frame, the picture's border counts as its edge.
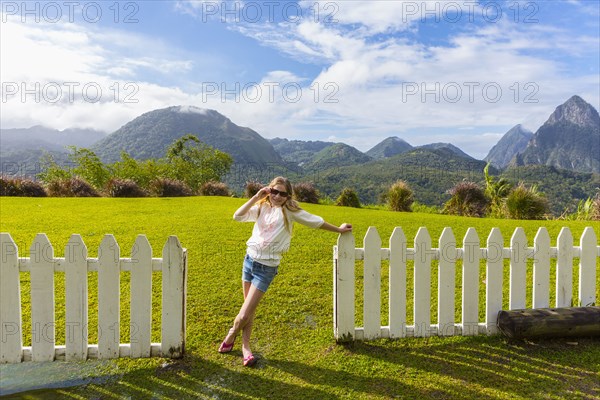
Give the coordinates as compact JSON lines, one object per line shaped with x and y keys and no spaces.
{"x":243,"y":210}
{"x":332,"y":228}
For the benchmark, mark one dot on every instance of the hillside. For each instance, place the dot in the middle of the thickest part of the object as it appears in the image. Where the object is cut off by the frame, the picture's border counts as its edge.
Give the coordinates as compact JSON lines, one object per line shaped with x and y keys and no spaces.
{"x":336,"y":156}
{"x":149,"y":135}
{"x":430,"y":172}
{"x":299,"y":152}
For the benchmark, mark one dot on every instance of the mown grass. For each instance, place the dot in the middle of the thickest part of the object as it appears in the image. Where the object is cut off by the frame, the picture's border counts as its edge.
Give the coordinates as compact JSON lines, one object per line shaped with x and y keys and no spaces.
{"x":293,"y":334}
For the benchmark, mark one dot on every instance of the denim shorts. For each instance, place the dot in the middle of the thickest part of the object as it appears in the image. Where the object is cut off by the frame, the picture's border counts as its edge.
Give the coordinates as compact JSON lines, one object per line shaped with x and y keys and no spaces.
{"x":258,"y":274}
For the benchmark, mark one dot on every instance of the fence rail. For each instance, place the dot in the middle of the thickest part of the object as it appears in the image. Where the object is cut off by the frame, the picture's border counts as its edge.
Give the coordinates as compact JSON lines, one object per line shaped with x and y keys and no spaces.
{"x":76,"y":266}
{"x":345,"y":255}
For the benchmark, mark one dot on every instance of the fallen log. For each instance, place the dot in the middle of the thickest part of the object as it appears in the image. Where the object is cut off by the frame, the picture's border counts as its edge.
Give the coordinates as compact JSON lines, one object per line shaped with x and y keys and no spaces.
{"x":550,"y":322}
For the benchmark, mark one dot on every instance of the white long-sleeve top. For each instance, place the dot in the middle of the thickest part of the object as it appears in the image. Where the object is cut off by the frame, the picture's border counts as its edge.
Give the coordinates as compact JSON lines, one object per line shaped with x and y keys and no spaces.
{"x":270,"y":237}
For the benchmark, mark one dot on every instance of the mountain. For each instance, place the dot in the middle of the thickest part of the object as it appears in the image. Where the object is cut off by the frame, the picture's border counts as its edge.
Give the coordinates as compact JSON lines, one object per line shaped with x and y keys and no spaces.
{"x":22,"y":148}
{"x":298,"y":152}
{"x":448,"y":146}
{"x":389,"y":147}
{"x":150,"y":134}
{"x":40,"y":137}
{"x":569,"y":139}
{"x":513,"y":142}
{"x":335,"y":156}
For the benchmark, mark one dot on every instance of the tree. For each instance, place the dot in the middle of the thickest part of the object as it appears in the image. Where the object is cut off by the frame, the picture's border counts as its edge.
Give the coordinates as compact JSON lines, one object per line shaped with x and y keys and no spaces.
{"x":195,"y":163}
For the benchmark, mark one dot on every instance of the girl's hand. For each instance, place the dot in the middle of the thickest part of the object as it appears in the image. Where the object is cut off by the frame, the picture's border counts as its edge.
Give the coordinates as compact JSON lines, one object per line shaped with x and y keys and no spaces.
{"x":262,"y":193}
{"x":345,"y":228}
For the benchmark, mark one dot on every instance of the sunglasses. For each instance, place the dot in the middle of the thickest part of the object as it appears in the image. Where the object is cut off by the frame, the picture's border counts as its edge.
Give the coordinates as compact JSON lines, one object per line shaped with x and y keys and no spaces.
{"x":275,"y":192}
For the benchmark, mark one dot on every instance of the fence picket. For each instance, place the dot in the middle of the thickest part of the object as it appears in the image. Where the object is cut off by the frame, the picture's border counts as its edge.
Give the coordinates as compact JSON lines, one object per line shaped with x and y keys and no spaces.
{"x":587,"y":268}
{"x":343,"y":287}
{"x":422,"y":283}
{"x":10,"y":307}
{"x":446,"y":283}
{"x":470,"y":283}
{"x":518,"y":270}
{"x":372,"y":284}
{"x":173,"y":287}
{"x":76,"y":299}
{"x":493,"y":279}
{"x":397,"y":284}
{"x":141,"y":298}
{"x":541,"y":269}
{"x":109,"y":298}
{"x":42,"y":299}
{"x":564,"y":268}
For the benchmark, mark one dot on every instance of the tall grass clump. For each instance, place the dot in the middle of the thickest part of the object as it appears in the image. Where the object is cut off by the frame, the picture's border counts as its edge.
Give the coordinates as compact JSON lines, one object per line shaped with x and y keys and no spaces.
{"x":21,"y":187}
{"x":70,"y":187}
{"x":400,"y":196}
{"x":468,"y":200}
{"x":117,"y":187}
{"x":214,"y":189}
{"x":163,"y":187}
{"x":252,"y":188}
{"x":306,"y":192}
{"x":526,"y":203}
{"x":348,"y":198}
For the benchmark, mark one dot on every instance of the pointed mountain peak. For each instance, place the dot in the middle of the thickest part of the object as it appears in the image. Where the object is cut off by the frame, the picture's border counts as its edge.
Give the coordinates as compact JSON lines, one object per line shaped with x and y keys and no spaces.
{"x":576,"y":111}
{"x":389,"y":147}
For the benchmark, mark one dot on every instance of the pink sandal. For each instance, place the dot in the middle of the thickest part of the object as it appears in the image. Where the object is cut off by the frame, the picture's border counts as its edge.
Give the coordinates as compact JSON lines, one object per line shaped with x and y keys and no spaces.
{"x":249,"y":361}
{"x":226,"y":348}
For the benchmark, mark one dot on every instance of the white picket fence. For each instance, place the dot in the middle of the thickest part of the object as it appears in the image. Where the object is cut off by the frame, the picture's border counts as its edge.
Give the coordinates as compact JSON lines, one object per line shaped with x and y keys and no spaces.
{"x":76,"y":266}
{"x":345,"y":255}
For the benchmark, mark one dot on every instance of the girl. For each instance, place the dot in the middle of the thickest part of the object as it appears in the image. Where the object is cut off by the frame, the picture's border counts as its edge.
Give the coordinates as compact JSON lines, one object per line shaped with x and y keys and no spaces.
{"x":274,"y":212}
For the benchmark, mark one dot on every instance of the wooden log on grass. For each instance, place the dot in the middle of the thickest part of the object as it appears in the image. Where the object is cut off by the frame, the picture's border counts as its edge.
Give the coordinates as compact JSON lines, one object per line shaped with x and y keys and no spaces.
{"x":550,"y":322}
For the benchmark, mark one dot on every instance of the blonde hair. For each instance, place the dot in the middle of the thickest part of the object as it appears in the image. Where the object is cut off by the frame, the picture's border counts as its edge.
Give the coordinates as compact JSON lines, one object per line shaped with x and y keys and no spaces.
{"x":289,"y":205}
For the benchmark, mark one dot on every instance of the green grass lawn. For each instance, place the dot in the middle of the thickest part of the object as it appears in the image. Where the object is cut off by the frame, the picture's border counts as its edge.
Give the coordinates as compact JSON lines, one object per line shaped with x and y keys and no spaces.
{"x":293,"y":334}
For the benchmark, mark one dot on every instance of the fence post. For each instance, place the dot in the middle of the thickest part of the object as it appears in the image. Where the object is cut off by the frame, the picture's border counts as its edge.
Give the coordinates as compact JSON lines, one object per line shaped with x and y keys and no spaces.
{"x":76,"y":283}
{"x":494,"y":279}
{"x":41,"y":256}
{"x":422,"y":286}
{"x":541,"y":269}
{"x":446,"y":282}
{"x":470,"y":283}
{"x":141,"y":298}
{"x":343,"y":288}
{"x":372,"y":284}
{"x":564,"y":269}
{"x":518,"y":271}
{"x":397,"y":284}
{"x":587,"y":268}
{"x":10,"y":307}
{"x":109,"y":298}
{"x":173,"y":299}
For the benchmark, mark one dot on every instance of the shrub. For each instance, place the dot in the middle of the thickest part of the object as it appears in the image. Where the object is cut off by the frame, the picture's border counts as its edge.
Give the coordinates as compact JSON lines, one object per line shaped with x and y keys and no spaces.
{"x":400,"y":196}
{"x":123,"y":188}
{"x":468,"y":200}
{"x":70,"y":187}
{"x":306,"y":192}
{"x":526,"y":203}
{"x":595,"y":213}
{"x":348,"y":198}
{"x":20,"y":187}
{"x":252,"y":188}
{"x":163,"y":187}
{"x":214,"y":189}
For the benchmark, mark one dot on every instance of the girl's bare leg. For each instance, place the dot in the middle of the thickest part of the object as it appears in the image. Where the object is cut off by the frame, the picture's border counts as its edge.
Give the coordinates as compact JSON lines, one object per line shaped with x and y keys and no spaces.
{"x":243,"y":321}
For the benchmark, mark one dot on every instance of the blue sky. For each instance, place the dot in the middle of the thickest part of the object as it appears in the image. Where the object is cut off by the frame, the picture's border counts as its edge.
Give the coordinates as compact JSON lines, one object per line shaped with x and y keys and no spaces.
{"x":463,"y":72}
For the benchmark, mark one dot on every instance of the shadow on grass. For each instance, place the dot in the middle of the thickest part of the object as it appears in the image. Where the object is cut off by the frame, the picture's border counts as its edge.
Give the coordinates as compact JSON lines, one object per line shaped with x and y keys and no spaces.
{"x":470,"y":367}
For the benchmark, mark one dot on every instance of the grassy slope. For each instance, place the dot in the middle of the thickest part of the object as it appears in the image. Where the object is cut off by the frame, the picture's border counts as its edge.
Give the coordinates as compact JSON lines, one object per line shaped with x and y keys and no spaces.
{"x":293,"y":330}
